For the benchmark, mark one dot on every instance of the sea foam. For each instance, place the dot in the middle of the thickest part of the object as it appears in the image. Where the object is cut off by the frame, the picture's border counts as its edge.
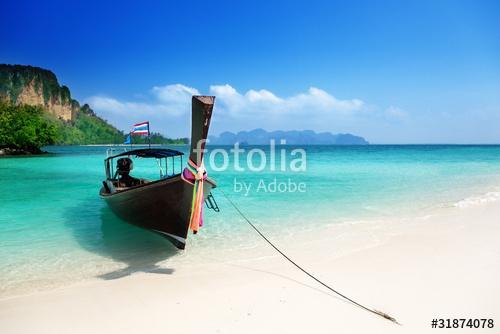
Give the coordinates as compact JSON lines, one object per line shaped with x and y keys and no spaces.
{"x":488,"y":197}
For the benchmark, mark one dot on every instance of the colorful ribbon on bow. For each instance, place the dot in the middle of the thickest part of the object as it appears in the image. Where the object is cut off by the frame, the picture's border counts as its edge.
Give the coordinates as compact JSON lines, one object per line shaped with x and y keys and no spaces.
{"x":195,"y":175}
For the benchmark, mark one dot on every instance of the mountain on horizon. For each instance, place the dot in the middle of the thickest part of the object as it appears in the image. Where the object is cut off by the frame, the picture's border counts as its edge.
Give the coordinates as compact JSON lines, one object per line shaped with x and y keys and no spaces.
{"x":293,"y":137}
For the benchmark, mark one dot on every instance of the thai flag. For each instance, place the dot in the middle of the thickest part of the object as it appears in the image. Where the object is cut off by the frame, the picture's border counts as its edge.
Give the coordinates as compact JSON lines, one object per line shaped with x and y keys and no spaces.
{"x":141,"y":129}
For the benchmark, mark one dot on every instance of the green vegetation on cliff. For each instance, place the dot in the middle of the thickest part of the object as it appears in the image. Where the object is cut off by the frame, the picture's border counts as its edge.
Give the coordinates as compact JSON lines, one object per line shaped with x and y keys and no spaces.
{"x":29,"y":127}
{"x":86,"y":129}
{"x":25,"y":128}
{"x":157,"y":138}
{"x":33,"y":125}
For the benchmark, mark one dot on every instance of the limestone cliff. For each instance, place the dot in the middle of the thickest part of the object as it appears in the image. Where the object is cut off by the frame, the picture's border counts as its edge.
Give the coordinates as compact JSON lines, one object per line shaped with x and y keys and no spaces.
{"x":22,"y":86}
{"x":38,"y":87}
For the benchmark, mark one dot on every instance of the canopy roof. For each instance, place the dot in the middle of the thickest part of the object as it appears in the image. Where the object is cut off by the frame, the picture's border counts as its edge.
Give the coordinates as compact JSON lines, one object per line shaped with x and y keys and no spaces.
{"x":149,"y":153}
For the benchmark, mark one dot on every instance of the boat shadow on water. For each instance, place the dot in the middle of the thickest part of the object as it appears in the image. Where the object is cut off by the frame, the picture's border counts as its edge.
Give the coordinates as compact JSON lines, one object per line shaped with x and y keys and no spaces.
{"x":101,"y":232}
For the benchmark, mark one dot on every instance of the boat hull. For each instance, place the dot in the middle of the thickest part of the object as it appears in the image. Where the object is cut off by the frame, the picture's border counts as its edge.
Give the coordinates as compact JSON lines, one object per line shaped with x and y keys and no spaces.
{"x":162,"y":206}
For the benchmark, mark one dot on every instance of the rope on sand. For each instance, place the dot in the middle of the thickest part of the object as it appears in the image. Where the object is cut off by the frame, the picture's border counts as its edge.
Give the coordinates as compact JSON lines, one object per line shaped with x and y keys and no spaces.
{"x":376,"y":312}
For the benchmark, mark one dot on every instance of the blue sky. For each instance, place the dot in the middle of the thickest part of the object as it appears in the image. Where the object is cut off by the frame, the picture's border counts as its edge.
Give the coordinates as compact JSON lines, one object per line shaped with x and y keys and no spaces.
{"x":391,"y":71}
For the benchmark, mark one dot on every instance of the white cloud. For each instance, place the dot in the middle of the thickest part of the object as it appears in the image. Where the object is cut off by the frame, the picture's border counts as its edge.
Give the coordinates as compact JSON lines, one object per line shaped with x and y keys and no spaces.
{"x":395,"y":112}
{"x":125,"y":109}
{"x":170,"y":100}
{"x":319,"y":99}
{"x":262,"y":96}
{"x":174,"y":94}
{"x":105,"y":104}
{"x":167,"y":108}
{"x":313,"y":101}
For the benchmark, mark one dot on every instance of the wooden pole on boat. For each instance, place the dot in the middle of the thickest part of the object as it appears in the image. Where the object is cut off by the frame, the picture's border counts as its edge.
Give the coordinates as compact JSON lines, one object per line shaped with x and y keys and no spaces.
{"x":202,"y":107}
{"x":149,"y":137}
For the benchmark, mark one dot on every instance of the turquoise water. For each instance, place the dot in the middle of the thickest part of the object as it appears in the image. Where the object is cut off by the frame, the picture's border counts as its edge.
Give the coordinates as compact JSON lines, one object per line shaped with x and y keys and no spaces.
{"x":54,"y":228}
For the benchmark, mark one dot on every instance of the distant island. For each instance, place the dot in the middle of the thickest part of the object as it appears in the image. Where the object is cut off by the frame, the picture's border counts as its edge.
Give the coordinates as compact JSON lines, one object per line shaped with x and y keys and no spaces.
{"x":306,"y":137}
{"x":35,"y":111}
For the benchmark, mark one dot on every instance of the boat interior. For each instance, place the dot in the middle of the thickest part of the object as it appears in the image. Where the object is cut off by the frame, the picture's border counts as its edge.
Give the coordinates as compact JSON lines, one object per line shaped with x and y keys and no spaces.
{"x":118,"y":175}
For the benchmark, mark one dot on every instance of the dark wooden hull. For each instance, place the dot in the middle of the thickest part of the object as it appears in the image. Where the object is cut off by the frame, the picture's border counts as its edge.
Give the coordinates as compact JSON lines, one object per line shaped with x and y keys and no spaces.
{"x":163,"y":206}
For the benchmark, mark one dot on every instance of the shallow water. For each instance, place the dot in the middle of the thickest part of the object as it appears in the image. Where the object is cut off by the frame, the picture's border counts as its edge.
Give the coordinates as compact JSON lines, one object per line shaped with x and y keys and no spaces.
{"x":54,"y":228}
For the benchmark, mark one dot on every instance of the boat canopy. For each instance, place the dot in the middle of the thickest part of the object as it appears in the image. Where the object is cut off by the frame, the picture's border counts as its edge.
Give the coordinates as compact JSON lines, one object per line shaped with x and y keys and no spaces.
{"x":149,"y":153}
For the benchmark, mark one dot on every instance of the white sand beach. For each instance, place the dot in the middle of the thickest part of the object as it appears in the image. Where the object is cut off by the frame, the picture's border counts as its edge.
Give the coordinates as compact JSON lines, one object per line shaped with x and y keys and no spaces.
{"x":446,"y":265}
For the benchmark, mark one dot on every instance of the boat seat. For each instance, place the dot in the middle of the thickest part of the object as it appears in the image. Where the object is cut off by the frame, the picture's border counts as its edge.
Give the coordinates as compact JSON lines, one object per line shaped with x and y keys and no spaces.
{"x":122,"y":186}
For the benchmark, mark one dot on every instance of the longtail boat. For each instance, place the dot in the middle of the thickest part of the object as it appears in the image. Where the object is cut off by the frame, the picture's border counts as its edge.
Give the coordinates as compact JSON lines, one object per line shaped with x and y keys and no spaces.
{"x":172,"y":204}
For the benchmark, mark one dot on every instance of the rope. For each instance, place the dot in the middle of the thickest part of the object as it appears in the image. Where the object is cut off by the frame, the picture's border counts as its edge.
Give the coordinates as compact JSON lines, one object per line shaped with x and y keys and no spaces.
{"x":376,"y":312}
{"x":198,"y":176}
